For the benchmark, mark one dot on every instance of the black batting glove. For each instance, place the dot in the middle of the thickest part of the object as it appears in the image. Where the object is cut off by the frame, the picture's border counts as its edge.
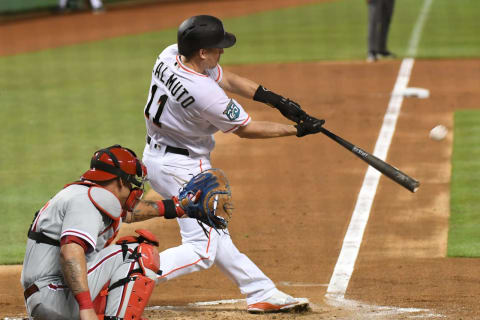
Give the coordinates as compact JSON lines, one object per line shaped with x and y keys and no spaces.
{"x":288,"y":108}
{"x":309,"y":125}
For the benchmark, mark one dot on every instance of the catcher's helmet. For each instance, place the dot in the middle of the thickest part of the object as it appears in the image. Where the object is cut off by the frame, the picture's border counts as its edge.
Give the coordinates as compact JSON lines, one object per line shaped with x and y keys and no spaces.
{"x":202,"y":32}
{"x":116,"y":161}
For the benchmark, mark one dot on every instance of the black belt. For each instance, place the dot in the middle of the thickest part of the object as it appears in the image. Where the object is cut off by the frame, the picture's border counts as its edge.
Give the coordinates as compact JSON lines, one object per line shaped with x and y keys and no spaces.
{"x":30,"y":290}
{"x":170,"y":148}
{"x":41,"y":238}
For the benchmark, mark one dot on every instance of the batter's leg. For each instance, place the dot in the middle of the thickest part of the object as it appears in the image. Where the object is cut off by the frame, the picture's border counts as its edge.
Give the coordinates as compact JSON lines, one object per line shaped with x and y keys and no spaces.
{"x":187,"y":258}
{"x":167,"y":173}
{"x":240,"y":269}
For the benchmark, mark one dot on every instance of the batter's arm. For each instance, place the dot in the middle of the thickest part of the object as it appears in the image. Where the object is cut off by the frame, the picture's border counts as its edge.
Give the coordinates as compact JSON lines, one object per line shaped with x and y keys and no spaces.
{"x":252,"y":90}
{"x":265,"y":130}
{"x":234,"y":83}
{"x":74,"y":267}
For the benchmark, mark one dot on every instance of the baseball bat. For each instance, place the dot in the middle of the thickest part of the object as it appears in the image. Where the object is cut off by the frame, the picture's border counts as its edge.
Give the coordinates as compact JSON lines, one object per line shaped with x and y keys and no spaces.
{"x":385,"y":168}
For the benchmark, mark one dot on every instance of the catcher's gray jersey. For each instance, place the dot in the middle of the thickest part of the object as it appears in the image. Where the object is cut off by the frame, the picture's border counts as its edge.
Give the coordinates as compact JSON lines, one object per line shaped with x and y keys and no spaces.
{"x":69,"y":212}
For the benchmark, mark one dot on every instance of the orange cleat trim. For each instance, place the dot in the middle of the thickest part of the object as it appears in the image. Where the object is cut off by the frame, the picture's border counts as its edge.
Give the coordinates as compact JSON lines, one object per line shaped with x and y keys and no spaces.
{"x":265,"y":306}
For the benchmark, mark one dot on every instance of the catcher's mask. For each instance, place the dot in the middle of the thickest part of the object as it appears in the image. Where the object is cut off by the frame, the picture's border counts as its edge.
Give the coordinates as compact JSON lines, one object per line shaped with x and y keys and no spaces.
{"x":202,"y":32}
{"x":118,"y":162}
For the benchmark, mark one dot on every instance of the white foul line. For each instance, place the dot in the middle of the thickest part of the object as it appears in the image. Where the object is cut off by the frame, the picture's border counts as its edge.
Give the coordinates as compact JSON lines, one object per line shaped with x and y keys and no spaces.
{"x":353,"y":238}
{"x":417,"y":31}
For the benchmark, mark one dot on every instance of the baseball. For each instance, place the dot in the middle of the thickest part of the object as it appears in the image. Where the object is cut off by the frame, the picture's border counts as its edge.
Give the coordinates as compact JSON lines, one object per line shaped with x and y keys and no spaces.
{"x":439,"y":132}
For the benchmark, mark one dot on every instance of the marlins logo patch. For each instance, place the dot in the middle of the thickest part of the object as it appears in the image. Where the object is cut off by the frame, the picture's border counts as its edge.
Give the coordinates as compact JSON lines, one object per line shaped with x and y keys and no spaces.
{"x":232,"y":111}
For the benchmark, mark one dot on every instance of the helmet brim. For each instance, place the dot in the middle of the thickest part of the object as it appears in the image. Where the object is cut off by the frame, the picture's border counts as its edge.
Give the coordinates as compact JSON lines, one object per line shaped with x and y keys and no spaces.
{"x":228,"y":41}
{"x":97,"y":175}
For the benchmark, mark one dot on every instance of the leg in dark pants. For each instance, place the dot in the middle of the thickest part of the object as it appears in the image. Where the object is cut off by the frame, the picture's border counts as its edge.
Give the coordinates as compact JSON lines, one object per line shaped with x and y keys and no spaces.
{"x":379,"y":18}
{"x":386,"y":9}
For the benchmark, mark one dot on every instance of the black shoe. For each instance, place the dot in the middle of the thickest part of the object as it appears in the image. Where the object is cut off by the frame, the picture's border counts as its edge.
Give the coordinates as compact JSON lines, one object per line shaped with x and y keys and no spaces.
{"x":371,"y":56}
{"x":387,"y":54}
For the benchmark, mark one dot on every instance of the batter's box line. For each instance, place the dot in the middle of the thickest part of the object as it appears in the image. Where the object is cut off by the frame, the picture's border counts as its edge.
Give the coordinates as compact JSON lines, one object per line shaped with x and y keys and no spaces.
{"x":194,"y":305}
{"x":379,"y":311}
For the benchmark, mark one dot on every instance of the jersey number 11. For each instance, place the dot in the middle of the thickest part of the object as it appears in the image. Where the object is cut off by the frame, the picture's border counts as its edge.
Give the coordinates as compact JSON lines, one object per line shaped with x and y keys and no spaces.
{"x":161,"y":104}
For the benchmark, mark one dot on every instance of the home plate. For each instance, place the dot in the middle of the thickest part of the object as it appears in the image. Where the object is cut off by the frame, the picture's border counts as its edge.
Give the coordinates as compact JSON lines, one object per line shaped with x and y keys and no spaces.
{"x":413,"y":92}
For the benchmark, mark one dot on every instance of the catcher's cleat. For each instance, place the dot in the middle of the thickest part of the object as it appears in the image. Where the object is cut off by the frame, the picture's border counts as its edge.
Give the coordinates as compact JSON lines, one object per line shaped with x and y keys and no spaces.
{"x":279,"y":302}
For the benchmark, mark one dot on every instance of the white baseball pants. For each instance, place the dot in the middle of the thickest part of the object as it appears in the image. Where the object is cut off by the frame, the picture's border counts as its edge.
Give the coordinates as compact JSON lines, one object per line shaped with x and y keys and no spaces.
{"x":167,"y":172}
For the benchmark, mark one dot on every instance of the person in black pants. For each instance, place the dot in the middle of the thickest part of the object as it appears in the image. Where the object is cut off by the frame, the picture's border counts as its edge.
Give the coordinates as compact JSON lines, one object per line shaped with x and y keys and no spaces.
{"x":379,"y":17}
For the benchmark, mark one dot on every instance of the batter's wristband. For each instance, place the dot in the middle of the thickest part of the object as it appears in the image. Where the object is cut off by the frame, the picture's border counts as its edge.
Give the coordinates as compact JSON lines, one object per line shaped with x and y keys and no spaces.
{"x":266,"y":96}
{"x":84,"y":300}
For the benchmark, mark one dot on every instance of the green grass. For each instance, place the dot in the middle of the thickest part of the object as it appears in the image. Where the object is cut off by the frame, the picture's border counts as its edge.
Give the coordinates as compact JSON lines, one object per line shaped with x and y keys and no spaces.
{"x":23,"y":5}
{"x":452,"y":30}
{"x":58,"y":106}
{"x":464,"y":227}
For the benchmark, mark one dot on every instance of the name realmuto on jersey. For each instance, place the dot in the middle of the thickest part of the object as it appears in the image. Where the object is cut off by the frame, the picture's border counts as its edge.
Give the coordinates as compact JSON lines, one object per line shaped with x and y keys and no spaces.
{"x":173,"y":85}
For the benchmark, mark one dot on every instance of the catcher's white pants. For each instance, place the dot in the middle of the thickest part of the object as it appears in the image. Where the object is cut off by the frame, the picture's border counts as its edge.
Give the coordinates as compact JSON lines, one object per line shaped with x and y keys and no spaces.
{"x":167,"y":172}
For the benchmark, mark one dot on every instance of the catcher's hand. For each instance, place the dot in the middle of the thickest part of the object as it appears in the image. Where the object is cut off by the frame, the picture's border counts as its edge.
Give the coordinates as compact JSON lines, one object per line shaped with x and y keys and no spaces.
{"x":207,"y":198}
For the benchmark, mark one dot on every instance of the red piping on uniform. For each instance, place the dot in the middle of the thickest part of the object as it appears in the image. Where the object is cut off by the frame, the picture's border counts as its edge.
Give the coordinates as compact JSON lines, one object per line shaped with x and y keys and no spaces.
{"x":209,"y":237}
{"x":201,"y":169}
{"x":93,"y":243}
{"x":218,"y":78}
{"x":105,"y":259}
{"x":38,"y":217}
{"x":125,"y":289}
{"x":186,"y":68}
{"x":238,"y":125}
{"x":191,"y":264}
{"x":56,"y":287}
{"x":188,"y":265}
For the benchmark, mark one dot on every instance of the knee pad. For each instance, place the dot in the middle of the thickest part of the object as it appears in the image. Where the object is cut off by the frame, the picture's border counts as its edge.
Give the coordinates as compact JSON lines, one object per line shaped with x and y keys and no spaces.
{"x":139,"y":284}
{"x":138,"y":292}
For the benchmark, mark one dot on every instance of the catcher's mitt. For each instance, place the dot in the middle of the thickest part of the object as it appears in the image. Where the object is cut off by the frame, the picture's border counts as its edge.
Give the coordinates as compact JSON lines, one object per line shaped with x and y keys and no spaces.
{"x":207,"y":198}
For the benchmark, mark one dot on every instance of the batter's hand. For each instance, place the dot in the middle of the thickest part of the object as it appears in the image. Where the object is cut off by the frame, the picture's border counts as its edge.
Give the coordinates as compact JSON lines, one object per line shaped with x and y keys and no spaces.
{"x":290,"y":110}
{"x":309,"y":125}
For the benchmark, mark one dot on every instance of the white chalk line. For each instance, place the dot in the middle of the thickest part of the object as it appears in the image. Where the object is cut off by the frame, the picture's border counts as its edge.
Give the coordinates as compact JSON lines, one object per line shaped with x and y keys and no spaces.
{"x":301,"y":284}
{"x":201,"y":304}
{"x":417,"y":30}
{"x":351,"y":244}
{"x":197,"y":304}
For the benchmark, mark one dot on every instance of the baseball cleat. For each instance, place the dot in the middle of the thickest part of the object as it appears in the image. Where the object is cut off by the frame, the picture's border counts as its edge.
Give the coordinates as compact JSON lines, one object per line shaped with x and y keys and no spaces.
{"x":279,"y":302}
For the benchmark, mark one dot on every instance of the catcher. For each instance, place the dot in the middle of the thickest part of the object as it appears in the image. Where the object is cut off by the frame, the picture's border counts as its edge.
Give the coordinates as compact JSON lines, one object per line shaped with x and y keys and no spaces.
{"x":71,"y":272}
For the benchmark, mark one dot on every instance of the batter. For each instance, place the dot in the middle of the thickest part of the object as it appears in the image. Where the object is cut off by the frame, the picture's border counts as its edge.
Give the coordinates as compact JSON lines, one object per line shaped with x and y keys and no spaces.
{"x":185,"y":107}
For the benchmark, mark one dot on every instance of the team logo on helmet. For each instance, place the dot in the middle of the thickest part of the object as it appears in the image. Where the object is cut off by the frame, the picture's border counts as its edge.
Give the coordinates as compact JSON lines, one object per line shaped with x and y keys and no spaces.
{"x":232,"y":111}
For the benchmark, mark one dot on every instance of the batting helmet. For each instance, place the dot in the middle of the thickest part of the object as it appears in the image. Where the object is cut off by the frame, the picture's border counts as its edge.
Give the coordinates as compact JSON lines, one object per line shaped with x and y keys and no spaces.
{"x":202,"y":32}
{"x":116,"y":161}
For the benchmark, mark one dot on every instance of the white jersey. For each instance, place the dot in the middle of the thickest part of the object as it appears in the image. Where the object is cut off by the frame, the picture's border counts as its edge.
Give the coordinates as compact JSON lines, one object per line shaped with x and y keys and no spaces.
{"x":185,"y":108}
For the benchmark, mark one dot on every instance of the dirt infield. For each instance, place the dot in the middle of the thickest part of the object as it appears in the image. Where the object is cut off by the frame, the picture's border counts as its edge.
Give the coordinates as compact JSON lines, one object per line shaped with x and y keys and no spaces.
{"x":294,"y":197}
